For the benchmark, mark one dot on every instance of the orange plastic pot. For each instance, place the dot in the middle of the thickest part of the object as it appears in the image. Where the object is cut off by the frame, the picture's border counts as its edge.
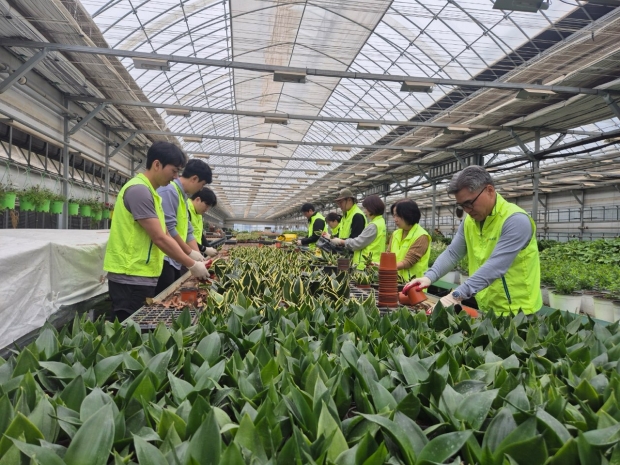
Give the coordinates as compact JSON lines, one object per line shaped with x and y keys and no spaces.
{"x":189,"y":295}
{"x":387,"y":261}
{"x":415,"y":296}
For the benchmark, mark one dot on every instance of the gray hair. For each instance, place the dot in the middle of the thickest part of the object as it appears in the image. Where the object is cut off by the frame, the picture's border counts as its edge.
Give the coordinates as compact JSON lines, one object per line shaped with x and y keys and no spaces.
{"x":472,"y":178}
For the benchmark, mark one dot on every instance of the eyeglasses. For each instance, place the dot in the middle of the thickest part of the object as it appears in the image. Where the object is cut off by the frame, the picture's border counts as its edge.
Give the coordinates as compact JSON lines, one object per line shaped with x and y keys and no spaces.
{"x":469,"y":204}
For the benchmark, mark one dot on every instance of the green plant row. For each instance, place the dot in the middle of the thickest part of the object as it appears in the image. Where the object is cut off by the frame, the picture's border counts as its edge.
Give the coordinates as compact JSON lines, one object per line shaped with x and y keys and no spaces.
{"x":41,"y":199}
{"x":295,"y":376}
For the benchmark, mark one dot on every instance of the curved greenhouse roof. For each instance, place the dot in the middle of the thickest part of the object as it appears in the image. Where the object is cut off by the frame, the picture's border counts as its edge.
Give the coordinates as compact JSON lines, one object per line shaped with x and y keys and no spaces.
{"x":452,"y":82}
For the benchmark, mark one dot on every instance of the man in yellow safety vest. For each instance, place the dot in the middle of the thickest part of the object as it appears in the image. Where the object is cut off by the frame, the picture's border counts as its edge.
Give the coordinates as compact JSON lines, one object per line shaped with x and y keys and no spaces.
{"x":499,"y":239}
{"x":175,"y":205}
{"x":201,"y":201}
{"x":138,"y":240}
{"x":316,"y":226}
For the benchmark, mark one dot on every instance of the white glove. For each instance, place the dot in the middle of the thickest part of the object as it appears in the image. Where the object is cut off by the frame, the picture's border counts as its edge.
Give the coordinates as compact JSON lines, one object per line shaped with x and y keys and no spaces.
{"x":195,"y":255}
{"x":418,"y":284}
{"x":337,"y":241}
{"x":449,"y":300}
{"x":299,"y":243}
{"x":211,"y":252}
{"x":199,"y":270}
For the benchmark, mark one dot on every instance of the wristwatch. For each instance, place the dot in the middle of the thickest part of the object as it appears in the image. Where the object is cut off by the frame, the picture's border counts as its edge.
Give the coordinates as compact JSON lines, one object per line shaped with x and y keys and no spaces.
{"x":457,"y":295}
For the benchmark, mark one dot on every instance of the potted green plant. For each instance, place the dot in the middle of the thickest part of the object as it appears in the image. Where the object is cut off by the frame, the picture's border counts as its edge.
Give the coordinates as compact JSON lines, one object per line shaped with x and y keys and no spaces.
{"x":362,"y":279}
{"x":57,"y":203}
{"x":107,"y":208}
{"x":35,"y":198}
{"x":8,"y":194}
{"x":86,"y":207}
{"x":564,"y":296}
{"x":96,"y":210}
{"x":74,"y":206}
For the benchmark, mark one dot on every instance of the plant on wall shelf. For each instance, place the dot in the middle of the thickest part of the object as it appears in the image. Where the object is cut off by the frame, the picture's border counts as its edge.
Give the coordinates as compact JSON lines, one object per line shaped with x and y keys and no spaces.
{"x":8,"y":193}
{"x":35,"y":198}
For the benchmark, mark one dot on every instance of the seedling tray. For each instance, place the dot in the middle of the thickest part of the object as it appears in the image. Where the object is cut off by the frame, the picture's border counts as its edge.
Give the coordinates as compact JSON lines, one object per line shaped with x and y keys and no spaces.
{"x":148,"y":317}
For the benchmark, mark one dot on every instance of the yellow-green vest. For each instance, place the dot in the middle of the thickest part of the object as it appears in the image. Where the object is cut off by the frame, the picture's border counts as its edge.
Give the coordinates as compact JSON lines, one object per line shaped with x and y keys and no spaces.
{"x":311,"y":230}
{"x":377,"y":246}
{"x":196,"y":221}
{"x":519,"y":288}
{"x":401,"y":246}
{"x":130,"y":250}
{"x":335,"y":230}
{"x":182,"y":213}
{"x":345,"y":228}
{"x":347,"y":218}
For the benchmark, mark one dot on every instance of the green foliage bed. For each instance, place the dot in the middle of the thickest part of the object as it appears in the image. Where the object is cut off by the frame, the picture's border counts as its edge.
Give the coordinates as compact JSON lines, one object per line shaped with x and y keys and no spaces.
{"x":307,"y":379}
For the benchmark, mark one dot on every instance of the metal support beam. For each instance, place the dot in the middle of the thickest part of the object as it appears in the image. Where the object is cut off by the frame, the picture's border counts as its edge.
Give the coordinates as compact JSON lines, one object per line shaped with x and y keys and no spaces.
{"x":520,"y":143}
{"x":23,"y":69}
{"x":460,"y":160}
{"x":106,"y":194}
{"x":123,"y":144}
{"x":492,"y":159}
{"x":275,"y":168}
{"x":287,"y":159}
{"x":266,"y":68}
{"x":536,"y":178}
{"x":424,"y":174}
{"x":87,"y":118}
{"x":612,"y":104}
{"x":433,"y":210}
{"x":328,"y":119}
{"x":557,"y":141}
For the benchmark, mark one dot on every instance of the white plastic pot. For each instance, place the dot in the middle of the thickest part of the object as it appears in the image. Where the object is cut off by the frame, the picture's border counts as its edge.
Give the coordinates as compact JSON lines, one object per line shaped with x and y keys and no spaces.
{"x":587,"y":303}
{"x":544,"y":290}
{"x":568,"y":303}
{"x":450,"y":277}
{"x":604,"y":309}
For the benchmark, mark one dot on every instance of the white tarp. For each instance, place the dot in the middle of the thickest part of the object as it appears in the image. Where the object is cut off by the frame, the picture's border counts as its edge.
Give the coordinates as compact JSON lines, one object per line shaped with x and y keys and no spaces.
{"x":44,"y":269}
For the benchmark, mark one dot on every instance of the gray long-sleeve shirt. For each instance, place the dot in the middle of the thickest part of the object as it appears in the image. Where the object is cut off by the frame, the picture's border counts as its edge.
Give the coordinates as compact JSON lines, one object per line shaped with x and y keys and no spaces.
{"x":169,"y":202}
{"x":515,"y":236}
{"x":364,"y":239}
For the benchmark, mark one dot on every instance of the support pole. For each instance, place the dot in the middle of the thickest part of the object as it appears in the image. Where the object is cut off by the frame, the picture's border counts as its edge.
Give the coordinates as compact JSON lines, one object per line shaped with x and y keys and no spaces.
{"x":433,"y":210}
{"x":107,"y":172}
{"x":536,"y":179}
{"x":63,"y":222}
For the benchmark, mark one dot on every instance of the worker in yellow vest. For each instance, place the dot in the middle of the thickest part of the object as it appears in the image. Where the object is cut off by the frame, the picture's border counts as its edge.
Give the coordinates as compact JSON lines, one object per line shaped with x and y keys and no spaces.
{"x":175,"y":204}
{"x":410,"y":242}
{"x":333,"y":220}
{"x":200,"y":203}
{"x":138,"y":240}
{"x":316,"y":226}
{"x":372,"y":239}
{"x":499,"y":239}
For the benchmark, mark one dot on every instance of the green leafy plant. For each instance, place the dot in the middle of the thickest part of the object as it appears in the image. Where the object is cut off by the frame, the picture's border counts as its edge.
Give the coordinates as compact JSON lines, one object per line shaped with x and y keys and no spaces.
{"x":361,"y":277}
{"x":36,"y":195}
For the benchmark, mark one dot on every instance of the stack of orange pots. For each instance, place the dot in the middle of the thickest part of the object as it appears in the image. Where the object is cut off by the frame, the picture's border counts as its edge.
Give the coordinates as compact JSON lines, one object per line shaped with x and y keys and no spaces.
{"x":388,"y":280}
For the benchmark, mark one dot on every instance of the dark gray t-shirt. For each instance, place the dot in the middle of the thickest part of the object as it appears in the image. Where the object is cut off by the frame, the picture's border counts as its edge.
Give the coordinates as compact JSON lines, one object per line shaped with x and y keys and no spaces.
{"x":138,"y":200}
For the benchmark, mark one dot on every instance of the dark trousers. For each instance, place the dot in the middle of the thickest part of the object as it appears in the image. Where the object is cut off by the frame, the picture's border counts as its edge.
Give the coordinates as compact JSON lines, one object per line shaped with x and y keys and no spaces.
{"x":169,"y":274}
{"x":127,"y":298}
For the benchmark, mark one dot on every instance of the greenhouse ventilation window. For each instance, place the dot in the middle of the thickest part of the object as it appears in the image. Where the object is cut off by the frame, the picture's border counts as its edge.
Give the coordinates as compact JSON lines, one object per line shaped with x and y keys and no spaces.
{"x":270,"y":145}
{"x":273,"y":120}
{"x":289,"y":76}
{"x":151,"y":64}
{"x":368,"y":126}
{"x":263,"y":160}
{"x":341,"y":148}
{"x":526,"y":6}
{"x":177,"y":112}
{"x":412,"y":86}
{"x":192,"y":139}
{"x":535,"y":94}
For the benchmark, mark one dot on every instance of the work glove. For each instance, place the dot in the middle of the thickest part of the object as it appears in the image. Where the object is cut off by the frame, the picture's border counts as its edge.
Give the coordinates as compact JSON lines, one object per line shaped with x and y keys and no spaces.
{"x":418,"y":284}
{"x":326,"y":234}
{"x":211,"y":252}
{"x":199,"y":270}
{"x":449,"y":300}
{"x":337,"y":241}
{"x":195,"y":255}
{"x":299,"y":243}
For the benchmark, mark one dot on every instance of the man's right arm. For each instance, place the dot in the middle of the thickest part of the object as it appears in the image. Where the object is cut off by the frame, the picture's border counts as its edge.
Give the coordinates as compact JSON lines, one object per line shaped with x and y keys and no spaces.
{"x":164,"y":242}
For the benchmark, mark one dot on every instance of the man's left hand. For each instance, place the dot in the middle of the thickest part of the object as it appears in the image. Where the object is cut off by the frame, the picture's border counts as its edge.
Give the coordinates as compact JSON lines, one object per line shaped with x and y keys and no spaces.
{"x":337,"y":241}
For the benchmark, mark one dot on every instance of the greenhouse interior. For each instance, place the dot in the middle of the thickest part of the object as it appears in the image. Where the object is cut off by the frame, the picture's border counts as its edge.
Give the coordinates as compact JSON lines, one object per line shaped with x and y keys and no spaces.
{"x":368,"y":232}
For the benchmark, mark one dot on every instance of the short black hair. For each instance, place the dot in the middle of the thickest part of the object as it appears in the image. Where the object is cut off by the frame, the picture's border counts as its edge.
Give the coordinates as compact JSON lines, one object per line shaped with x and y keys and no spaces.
{"x":392,"y":207}
{"x":374,"y":205}
{"x":333,"y":216}
{"x":409,"y":211}
{"x":196,"y":167}
{"x":167,"y":154}
{"x":306,"y":207}
{"x":207,"y":196}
